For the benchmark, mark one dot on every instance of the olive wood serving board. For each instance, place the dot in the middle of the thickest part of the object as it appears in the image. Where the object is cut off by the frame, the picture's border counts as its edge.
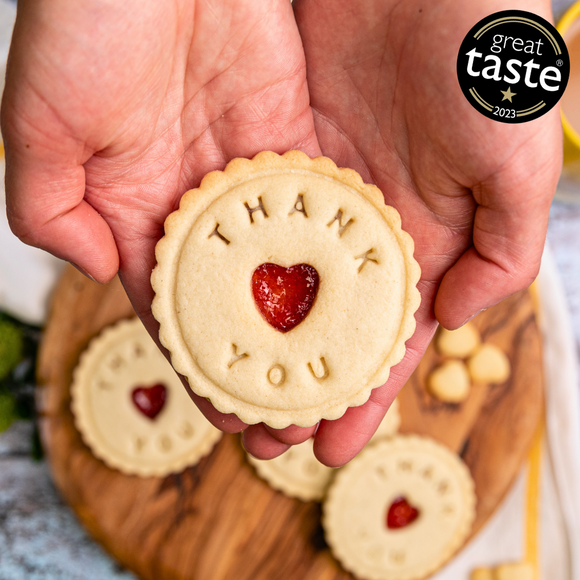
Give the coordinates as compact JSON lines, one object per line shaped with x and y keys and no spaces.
{"x":218,"y":520}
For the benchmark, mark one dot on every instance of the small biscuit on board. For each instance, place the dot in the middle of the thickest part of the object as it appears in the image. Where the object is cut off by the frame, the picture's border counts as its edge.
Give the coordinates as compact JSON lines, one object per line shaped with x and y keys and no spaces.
{"x":298,"y":473}
{"x":131,"y":408}
{"x":415,"y":471}
{"x":450,"y":382}
{"x":458,"y":343}
{"x":489,"y":364}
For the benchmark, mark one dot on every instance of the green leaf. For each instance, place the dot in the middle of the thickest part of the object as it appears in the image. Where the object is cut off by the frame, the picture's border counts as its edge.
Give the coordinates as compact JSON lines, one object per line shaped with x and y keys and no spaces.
{"x":11,"y":347}
{"x":7,"y":410}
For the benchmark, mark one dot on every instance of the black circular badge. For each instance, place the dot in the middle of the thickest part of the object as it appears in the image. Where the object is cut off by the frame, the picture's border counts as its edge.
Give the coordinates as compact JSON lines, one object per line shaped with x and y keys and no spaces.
{"x":513,"y":66}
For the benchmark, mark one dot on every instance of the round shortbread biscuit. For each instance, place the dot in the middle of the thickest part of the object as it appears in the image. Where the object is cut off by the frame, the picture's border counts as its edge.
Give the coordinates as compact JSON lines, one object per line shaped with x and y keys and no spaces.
{"x":117,"y":364}
{"x":298,"y":473}
{"x":286,"y":210}
{"x":430,"y":478}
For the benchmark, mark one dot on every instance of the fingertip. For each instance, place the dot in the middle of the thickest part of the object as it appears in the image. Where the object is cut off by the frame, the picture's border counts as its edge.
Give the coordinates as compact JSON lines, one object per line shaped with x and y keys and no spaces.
{"x":474,"y":284}
{"x":79,"y":235}
{"x":337,"y":442}
{"x":228,"y":423}
{"x":98,"y":268}
{"x":292,"y":435}
{"x":334,"y":454}
{"x":46,"y":205}
{"x":258,"y":442}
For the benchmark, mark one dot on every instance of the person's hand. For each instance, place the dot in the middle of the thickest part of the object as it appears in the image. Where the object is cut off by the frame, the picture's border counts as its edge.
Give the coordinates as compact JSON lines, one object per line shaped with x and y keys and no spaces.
{"x":474,"y":193}
{"x":112,"y":110}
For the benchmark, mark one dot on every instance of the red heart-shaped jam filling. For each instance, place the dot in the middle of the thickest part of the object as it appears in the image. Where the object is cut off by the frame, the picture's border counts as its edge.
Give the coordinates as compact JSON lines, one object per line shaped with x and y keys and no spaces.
{"x":401,"y":513}
{"x":284,"y":296}
{"x":149,"y":400}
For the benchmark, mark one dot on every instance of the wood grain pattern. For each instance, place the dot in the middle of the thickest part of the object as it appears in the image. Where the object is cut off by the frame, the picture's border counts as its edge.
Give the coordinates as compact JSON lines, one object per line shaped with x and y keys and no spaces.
{"x":493,"y":429}
{"x":217,"y":520}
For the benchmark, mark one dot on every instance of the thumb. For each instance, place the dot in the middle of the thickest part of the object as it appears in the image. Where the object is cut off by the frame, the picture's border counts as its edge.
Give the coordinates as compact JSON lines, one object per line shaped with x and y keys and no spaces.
{"x":509,"y":233}
{"x":45,"y":188}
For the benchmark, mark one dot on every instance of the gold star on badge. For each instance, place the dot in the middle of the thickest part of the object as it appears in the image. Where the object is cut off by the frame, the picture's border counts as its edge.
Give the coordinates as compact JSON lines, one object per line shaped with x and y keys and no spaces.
{"x":508,"y":94}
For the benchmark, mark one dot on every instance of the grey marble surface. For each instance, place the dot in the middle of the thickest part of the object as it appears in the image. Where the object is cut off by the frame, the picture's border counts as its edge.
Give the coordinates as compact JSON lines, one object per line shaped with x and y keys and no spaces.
{"x":40,"y":539}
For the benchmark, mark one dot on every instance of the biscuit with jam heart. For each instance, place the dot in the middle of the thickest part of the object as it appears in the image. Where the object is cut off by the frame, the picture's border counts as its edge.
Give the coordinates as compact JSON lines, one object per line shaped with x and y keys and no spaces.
{"x":131,"y":408}
{"x":285,"y":289}
{"x":399,"y":510}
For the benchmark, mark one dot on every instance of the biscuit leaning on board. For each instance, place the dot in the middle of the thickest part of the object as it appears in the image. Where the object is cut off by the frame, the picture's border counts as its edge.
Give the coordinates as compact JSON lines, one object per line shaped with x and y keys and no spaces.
{"x":131,"y":408}
{"x":285,"y":289}
{"x":298,"y":473}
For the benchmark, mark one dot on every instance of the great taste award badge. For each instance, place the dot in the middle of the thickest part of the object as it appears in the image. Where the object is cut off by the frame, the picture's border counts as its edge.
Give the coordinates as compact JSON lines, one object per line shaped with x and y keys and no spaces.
{"x":513,"y":66}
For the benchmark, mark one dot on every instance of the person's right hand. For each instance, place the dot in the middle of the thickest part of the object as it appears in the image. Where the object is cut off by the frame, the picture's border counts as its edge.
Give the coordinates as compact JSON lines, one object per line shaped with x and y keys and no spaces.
{"x":112,"y":110}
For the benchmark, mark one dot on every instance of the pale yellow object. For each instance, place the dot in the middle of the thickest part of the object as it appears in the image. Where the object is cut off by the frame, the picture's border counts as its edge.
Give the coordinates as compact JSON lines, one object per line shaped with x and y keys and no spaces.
{"x":482,"y":574}
{"x":430,"y":477}
{"x":450,"y":382}
{"x":120,"y":359}
{"x":458,"y":343}
{"x":528,"y":569}
{"x":534,"y":290}
{"x":296,"y":472}
{"x":489,"y":364}
{"x":533,"y":497}
{"x":285,"y":210}
{"x":515,"y":571}
{"x":511,"y":571}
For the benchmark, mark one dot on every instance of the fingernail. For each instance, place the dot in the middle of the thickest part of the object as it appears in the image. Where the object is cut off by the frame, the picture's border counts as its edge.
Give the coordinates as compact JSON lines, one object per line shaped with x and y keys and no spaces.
{"x":83,"y":272}
{"x":473,"y":316}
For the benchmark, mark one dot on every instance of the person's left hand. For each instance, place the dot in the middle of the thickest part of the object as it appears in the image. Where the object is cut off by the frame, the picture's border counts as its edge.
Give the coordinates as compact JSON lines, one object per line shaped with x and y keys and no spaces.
{"x":474,"y":193}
